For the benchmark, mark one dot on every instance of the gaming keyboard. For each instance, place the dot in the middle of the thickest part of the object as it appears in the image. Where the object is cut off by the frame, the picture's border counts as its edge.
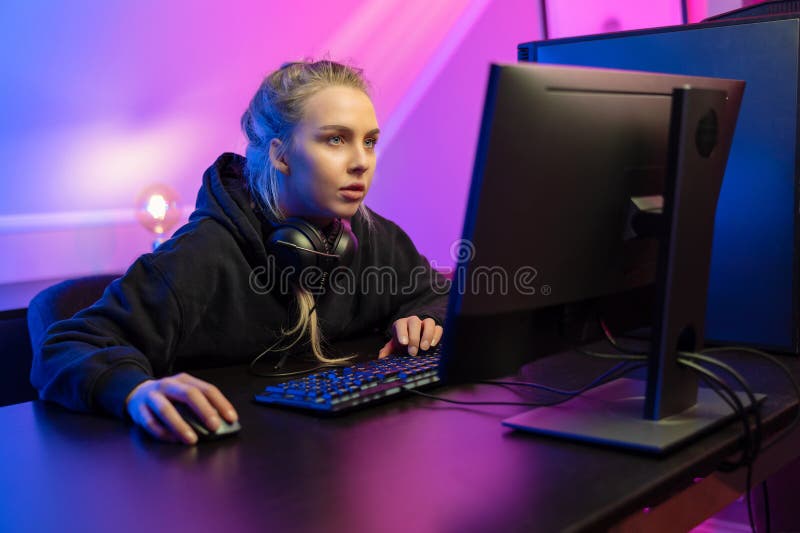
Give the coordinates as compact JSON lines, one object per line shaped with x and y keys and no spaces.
{"x":341,"y":389}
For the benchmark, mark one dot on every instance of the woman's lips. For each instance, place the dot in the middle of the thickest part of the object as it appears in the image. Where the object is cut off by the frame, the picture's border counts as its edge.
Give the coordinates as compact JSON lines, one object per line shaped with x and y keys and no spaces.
{"x":352,"y":195}
{"x":353,"y":192}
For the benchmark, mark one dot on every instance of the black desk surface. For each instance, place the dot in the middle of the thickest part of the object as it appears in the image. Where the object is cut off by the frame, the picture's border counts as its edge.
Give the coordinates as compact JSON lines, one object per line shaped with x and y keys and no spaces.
{"x":412,"y":464}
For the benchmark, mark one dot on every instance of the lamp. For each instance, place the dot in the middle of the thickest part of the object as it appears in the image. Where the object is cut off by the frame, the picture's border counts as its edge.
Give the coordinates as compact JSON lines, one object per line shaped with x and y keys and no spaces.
{"x":157,"y":210}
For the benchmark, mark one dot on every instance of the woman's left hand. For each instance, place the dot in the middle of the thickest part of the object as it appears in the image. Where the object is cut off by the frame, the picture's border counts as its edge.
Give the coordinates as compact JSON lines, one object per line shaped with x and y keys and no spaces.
{"x":413,"y":334}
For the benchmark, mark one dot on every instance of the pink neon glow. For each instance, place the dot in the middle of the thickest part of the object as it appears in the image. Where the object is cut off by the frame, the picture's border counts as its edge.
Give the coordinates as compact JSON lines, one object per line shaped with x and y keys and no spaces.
{"x":578,"y":17}
{"x":105,"y":98}
{"x":392,"y":40}
{"x":697,"y":10}
{"x":153,"y":93}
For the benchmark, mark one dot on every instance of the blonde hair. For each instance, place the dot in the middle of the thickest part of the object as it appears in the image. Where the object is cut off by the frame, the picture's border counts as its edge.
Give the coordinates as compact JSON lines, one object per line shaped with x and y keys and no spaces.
{"x":274,"y":111}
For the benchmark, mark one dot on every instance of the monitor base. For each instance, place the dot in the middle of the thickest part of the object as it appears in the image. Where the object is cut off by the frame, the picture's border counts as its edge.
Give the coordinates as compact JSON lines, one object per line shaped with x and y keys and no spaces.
{"x":612,"y":415}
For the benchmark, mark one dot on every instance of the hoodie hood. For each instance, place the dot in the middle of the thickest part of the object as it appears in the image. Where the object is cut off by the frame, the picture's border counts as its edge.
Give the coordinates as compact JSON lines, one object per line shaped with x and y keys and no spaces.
{"x":225,"y":198}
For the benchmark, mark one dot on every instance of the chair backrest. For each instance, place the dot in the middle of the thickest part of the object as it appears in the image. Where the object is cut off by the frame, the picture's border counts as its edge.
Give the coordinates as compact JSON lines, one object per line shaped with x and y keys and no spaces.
{"x":15,"y":365}
{"x":59,"y":302}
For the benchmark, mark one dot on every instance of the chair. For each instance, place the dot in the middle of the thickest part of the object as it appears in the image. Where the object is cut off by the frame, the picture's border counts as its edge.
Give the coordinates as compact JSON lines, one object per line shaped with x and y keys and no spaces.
{"x":63,"y":300}
{"x":58,"y":302}
{"x":15,"y":386}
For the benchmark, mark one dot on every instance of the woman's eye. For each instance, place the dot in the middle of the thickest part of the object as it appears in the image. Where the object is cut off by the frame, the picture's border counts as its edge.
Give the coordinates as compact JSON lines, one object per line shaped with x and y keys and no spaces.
{"x":371,"y":143}
{"x":336,"y":139}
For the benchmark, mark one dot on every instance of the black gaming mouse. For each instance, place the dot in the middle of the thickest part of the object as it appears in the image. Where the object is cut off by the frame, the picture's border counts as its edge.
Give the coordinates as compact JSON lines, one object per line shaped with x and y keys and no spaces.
{"x":203,"y":433}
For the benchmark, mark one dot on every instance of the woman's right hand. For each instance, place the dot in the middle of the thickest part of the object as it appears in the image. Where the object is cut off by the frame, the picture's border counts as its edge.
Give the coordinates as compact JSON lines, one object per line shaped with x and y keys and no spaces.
{"x":150,"y":405}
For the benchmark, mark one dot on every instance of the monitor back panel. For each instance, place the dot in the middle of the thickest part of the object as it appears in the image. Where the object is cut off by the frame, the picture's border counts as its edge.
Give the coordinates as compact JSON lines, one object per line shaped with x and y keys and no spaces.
{"x":752,"y":290}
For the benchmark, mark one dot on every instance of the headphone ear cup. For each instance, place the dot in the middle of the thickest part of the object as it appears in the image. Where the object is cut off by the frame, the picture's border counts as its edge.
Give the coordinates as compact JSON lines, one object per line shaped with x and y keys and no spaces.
{"x":293,"y":244}
{"x":298,"y":244}
{"x":345,"y":245}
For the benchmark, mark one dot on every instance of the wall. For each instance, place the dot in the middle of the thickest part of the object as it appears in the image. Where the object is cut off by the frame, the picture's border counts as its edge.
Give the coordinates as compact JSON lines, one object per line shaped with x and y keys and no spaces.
{"x":101,"y":99}
{"x":105,"y":98}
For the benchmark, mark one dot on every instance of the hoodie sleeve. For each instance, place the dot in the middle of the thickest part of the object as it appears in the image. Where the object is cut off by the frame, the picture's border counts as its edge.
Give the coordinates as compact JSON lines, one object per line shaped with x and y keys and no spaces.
{"x":92,"y":361}
{"x":422,"y":291}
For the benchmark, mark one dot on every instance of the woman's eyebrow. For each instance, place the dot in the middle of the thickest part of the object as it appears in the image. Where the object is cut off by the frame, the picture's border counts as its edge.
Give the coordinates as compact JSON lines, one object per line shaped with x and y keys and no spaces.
{"x":345,"y":128}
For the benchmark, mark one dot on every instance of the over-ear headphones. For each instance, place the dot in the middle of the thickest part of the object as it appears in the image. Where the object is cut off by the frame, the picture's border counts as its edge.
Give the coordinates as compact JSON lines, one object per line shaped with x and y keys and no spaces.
{"x":299,"y":244}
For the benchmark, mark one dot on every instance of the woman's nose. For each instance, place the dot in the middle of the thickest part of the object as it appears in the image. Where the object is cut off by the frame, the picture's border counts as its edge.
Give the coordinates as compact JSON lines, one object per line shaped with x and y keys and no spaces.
{"x":360,"y":161}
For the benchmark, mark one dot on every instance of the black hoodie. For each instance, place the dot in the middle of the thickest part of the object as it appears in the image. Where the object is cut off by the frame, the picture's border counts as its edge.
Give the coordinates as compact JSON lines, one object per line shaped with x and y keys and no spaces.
{"x":204,"y":298}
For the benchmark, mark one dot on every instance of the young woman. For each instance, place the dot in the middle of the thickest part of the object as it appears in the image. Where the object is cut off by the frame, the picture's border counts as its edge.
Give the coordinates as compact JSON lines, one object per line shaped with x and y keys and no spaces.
{"x":280,"y":253}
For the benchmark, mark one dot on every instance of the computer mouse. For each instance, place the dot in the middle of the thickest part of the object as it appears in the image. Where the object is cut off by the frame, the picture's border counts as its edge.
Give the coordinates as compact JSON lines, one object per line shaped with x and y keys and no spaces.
{"x":225,"y":429}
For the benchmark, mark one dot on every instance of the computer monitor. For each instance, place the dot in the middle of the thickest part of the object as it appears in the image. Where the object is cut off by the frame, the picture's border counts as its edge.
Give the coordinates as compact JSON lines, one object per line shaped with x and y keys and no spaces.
{"x":754,"y":266}
{"x":593,"y":194}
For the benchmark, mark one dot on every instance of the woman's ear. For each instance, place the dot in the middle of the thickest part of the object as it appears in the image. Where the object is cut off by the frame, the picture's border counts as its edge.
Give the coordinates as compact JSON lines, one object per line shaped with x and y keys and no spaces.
{"x":277,"y":158}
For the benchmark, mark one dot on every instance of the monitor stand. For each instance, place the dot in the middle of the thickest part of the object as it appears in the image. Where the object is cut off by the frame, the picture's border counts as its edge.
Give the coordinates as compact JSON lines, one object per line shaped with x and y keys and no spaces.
{"x":669,"y":408}
{"x":611,"y":415}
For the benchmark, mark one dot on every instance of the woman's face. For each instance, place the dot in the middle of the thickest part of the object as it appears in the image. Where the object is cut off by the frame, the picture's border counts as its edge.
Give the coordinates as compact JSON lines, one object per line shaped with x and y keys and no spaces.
{"x":329,"y":165}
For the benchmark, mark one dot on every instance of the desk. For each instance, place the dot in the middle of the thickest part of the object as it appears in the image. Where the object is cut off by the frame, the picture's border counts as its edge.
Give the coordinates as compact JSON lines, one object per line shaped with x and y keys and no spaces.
{"x":412,"y":464}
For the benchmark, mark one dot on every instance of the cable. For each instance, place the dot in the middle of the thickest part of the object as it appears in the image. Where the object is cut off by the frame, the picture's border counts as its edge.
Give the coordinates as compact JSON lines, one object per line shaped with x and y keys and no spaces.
{"x":713,"y":386}
{"x":607,"y":376}
{"x":290,"y":373}
{"x":752,"y":443}
{"x":745,"y":386}
{"x":780,"y":365}
{"x":748,"y":454}
{"x":282,"y":361}
{"x":613,"y":341}
{"x":595,"y":382}
{"x":629,"y":357}
{"x":739,"y":410}
{"x":459,"y":402}
{"x":787,"y":431}
{"x":279,"y":364}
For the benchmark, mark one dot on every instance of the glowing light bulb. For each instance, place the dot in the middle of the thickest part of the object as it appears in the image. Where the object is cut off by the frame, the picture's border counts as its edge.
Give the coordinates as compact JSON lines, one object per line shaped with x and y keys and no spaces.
{"x":157,"y":210}
{"x":157,"y":207}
